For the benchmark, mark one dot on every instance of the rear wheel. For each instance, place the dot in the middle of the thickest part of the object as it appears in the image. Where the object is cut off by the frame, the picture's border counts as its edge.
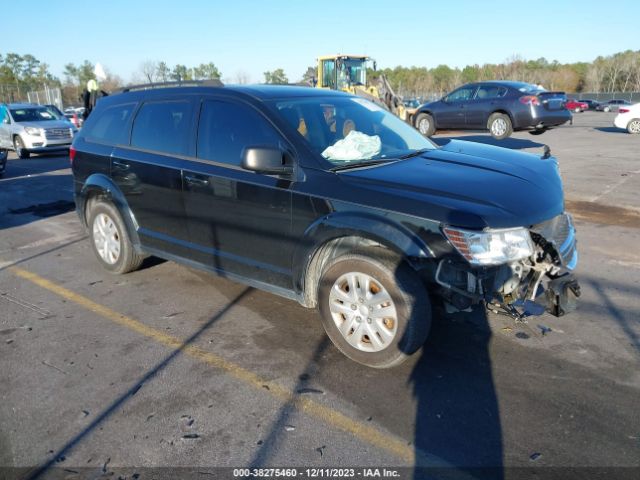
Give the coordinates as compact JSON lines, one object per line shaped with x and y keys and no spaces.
{"x":375,"y":312}
{"x":500,"y":126}
{"x":634,"y":126}
{"x":425,"y":124}
{"x":110,"y":240}
{"x":18,"y":146}
{"x":606,"y":109}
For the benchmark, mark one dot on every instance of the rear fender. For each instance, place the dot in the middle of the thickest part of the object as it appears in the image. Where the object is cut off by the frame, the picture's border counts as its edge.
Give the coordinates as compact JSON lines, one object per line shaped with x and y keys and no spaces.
{"x":101,"y":185}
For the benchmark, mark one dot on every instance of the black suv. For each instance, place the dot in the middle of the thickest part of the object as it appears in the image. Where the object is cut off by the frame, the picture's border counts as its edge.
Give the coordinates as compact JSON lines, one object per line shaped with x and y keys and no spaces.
{"x":325,"y":198}
{"x":501,"y":107}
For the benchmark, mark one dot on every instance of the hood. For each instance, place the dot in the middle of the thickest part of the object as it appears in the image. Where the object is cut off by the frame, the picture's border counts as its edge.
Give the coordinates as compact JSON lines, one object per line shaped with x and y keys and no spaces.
{"x":48,"y":124}
{"x":469,"y":185}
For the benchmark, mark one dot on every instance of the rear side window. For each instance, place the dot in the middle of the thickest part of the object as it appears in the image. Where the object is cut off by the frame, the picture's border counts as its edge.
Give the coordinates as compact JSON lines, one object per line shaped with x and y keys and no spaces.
{"x":163,"y":127}
{"x":490,"y":91}
{"x":225,"y":129}
{"x":110,"y":126}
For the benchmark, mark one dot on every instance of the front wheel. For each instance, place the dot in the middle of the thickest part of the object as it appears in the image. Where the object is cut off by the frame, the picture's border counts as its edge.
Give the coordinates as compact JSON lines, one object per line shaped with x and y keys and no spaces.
{"x":606,"y":109}
{"x":425,"y":124}
{"x":375,"y":312}
{"x":500,"y":126}
{"x":110,"y":239}
{"x":21,"y":151}
{"x":634,"y":126}
{"x":577,"y":110}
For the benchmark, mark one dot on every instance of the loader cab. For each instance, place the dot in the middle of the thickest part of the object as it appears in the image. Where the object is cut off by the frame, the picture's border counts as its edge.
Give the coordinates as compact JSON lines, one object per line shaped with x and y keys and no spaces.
{"x":343,"y":72}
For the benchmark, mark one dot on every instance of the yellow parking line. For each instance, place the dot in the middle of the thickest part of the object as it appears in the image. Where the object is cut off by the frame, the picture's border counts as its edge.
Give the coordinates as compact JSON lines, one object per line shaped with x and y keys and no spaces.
{"x":330,"y":416}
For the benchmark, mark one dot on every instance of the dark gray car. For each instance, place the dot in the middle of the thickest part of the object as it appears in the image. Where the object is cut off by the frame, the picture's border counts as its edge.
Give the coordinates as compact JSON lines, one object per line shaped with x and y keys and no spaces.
{"x":501,"y":107}
{"x":612,"y":105}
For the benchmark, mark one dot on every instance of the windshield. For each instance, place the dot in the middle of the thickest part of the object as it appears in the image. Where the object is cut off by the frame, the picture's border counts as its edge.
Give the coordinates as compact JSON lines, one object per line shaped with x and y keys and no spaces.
{"x":32,"y":114}
{"x":351,"y":130}
{"x":351,"y":72}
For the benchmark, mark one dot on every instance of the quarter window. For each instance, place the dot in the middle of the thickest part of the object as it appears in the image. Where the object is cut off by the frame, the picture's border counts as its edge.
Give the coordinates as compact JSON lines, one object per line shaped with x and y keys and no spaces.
{"x":110,"y":126}
{"x":226,"y":129}
{"x":490,"y":91}
{"x":163,"y":126}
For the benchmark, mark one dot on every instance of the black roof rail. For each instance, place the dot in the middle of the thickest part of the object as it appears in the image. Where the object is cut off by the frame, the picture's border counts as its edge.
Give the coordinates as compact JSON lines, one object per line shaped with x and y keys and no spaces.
{"x":184,"y":83}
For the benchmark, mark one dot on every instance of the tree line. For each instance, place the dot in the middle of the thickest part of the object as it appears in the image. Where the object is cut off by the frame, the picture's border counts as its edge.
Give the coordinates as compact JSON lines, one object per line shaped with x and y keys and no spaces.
{"x":619,"y":72}
{"x":614,"y":73}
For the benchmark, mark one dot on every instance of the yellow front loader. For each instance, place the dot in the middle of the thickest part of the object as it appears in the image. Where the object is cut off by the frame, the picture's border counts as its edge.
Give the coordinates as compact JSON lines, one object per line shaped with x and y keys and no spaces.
{"x":348,"y":73}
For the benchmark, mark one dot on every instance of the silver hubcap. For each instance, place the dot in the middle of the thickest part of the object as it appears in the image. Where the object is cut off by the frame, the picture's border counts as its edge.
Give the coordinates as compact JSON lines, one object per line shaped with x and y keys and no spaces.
{"x":499,"y":127}
{"x":423,"y":126}
{"x":634,"y":126}
{"x":106,"y":238}
{"x":363,"y":311}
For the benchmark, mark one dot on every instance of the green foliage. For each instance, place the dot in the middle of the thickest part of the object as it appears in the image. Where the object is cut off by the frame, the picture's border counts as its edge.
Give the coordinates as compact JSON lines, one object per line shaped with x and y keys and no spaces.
{"x":20,"y":74}
{"x":276,"y":77}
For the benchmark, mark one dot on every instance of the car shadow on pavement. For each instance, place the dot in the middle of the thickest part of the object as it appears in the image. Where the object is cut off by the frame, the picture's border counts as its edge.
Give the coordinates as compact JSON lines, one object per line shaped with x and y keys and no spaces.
{"x":41,"y":471}
{"x":611,"y":130}
{"x":457,"y":418}
{"x":512,"y":143}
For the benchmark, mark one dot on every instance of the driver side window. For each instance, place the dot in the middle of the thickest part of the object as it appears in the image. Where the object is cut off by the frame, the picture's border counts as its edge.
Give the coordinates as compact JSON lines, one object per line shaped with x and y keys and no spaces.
{"x":460,"y":95}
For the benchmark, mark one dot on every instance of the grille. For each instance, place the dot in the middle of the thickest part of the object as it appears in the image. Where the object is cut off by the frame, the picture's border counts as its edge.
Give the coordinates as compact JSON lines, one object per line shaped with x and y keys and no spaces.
{"x":559,"y":231}
{"x":58,"y":133}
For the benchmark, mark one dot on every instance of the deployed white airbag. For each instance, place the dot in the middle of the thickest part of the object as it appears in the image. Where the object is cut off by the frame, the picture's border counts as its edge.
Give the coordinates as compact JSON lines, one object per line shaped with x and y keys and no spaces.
{"x":355,"y":146}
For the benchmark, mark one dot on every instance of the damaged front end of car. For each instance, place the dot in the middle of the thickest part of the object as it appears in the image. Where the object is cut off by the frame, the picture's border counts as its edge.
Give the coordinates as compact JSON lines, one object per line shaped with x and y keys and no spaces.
{"x":517,"y":272}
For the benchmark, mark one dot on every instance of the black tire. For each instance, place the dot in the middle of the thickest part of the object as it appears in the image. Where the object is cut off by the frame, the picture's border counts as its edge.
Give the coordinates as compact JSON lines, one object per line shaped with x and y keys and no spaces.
{"x":18,"y":146}
{"x":127,"y":259}
{"x":425,"y":125}
{"x":606,"y":109}
{"x":500,"y":126}
{"x":409,"y":298}
{"x":577,"y":110}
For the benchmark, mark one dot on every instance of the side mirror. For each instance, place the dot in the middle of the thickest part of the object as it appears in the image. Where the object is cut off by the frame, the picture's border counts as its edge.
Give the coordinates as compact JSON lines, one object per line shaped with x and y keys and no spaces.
{"x":268,"y":160}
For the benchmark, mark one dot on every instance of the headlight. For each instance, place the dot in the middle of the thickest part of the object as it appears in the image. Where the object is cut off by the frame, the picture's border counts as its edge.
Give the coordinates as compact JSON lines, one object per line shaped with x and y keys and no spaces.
{"x":32,"y":131}
{"x":492,"y":247}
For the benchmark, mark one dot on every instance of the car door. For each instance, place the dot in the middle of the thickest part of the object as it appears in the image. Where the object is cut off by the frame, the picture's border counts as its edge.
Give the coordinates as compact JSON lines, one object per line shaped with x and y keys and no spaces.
{"x":239,"y":221}
{"x":452,"y":109}
{"x":487,"y":100}
{"x":5,"y":132}
{"x":148,"y":172}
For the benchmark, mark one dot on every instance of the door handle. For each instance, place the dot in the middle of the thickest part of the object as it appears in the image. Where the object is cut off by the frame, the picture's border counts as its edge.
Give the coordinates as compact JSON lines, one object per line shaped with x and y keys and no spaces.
{"x":121,"y":165}
{"x":196,"y":181}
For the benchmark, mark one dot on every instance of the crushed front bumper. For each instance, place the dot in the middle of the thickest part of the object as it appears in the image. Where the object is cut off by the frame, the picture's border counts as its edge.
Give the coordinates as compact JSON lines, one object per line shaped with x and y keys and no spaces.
{"x":542,"y":282}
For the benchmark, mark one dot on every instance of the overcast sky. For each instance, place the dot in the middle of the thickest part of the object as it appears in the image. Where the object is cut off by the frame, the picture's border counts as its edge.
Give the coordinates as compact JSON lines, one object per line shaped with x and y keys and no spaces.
{"x":250,"y":37}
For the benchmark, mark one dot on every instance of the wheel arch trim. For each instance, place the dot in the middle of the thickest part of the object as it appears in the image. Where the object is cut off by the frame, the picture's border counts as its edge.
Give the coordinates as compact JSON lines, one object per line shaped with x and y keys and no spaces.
{"x":99,"y":184}
{"x":341,"y":232}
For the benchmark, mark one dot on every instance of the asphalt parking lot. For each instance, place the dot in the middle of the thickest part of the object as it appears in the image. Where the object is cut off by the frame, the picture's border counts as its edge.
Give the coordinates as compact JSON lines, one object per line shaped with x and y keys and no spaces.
{"x":169,"y":367}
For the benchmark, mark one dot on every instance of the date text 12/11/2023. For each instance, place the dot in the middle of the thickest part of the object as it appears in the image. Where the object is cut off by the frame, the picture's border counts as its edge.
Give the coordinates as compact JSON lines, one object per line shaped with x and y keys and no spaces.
{"x":316,"y":472}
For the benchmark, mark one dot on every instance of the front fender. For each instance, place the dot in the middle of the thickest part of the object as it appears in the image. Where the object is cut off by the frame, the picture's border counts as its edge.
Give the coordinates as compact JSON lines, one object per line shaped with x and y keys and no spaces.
{"x":102,"y":185}
{"x":382,"y":230}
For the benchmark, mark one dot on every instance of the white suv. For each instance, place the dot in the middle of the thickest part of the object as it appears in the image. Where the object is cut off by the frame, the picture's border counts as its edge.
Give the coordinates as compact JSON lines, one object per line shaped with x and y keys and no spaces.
{"x":28,"y":128}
